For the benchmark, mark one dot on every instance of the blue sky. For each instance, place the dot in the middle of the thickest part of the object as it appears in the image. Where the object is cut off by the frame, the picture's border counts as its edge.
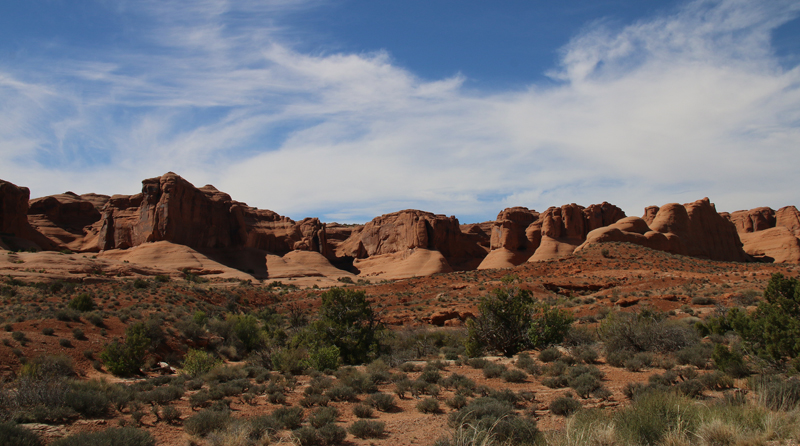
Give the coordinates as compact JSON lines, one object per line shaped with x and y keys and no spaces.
{"x":345,"y":110}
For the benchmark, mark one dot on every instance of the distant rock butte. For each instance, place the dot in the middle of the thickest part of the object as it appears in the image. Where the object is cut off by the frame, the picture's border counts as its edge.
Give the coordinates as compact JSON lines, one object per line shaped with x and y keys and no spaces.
{"x":693,"y":229}
{"x":520,"y":234}
{"x":225,"y":236}
{"x":768,"y":234}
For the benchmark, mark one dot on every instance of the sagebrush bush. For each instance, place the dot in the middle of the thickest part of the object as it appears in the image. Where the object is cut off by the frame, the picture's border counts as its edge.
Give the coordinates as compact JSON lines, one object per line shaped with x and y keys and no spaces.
{"x":206,"y":421}
{"x":341,"y":393}
{"x":457,"y":401}
{"x":115,"y":436}
{"x":645,"y":331}
{"x":493,"y":370}
{"x":12,"y":434}
{"x":331,"y":434}
{"x":564,"y":406}
{"x":367,"y":429}
{"x":323,"y":416}
{"x":549,"y":354}
{"x":289,"y":417}
{"x":362,"y":411}
{"x":477,"y":363}
{"x":514,"y":376}
{"x":488,"y":413}
{"x":264,"y":425}
{"x":381,"y":401}
{"x":428,"y":405}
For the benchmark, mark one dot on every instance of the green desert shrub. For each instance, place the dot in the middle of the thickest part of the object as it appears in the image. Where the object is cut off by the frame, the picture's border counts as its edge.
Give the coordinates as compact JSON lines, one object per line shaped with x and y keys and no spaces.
{"x":126,"y":358}
{"x":347,"y":321}
{"x":502,"y":324}
{"x":549,"y":354}
{"x":771,"y":330}
{"x":82,"y":302}
{"x":549,"y":325}
{"x":199,"y":362}
{"x":493,"y":370}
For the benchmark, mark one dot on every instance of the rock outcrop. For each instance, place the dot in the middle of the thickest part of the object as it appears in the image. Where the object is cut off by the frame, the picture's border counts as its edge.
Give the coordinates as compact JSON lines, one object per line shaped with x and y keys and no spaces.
{"x":693,"y":229}
{"x":66,"y":219}
{"x":14,"y":209}
{"x":769,"y":235}
{"x":521,"y":235}
{"x":509,"y":243}
{"x":170,"y":208}
{"x":407,"y":230}
{"x":17,"y":233}
{"x":561,"y":230}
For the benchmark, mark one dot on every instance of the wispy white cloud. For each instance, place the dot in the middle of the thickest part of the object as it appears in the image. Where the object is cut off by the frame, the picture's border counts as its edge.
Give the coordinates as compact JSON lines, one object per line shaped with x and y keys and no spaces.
{"x":672,"y":108}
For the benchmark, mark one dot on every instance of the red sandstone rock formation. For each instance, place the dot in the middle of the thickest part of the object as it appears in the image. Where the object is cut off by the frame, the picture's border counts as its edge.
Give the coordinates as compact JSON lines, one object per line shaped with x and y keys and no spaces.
{"x":13,"y":209}
{"x":552,"y":234}
{"x":17,"y":232}
{"x":170,"y":208}
{"x":769,"y":235}
{"x":409,"y":230}
{"x":66,"y":219}
{"x":693,"y":229}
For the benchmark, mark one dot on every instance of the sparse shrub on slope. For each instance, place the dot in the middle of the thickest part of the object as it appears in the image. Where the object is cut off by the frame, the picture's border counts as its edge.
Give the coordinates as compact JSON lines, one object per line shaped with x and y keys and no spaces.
{"x":115,"y":436}
{"x":126,"y":358}
{"x":503,"y":323}
{"x":646,"y":331}
{"x":13,"y":435}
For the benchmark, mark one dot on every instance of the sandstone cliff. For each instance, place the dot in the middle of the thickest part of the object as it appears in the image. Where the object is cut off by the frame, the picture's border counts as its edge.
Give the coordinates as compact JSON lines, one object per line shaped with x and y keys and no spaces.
{"x":521,"y":235}
{"x":769,"y":235}
{"x":410,"y":230}
{"x":16,"y":231}
{"x":693,"y":229}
